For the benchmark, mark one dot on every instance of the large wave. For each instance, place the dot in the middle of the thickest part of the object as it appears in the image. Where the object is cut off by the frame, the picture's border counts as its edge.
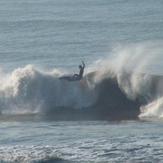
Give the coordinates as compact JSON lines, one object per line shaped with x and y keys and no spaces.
{"x":116,"y":87}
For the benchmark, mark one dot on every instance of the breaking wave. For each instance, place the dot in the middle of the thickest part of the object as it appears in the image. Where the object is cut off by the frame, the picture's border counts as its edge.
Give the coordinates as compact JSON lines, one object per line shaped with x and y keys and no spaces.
{"x":117,"y":87}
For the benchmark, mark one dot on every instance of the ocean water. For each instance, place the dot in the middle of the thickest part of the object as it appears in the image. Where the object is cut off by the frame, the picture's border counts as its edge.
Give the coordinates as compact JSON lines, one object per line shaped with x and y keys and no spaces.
{"x":91,"y":141}
{"x":114,"y":114}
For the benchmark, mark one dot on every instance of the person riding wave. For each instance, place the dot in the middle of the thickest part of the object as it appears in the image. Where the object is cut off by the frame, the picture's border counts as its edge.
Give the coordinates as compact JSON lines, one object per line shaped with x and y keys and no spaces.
{"x":81,"y":72}
{"x":75,"y":77}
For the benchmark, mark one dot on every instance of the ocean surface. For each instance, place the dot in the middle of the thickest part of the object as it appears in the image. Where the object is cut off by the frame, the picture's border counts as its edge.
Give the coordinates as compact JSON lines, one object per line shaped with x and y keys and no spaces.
{"x":114,"y":114}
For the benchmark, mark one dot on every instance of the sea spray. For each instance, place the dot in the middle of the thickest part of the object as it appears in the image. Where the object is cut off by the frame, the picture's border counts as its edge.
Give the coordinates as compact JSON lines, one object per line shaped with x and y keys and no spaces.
{"x":131,"y":66}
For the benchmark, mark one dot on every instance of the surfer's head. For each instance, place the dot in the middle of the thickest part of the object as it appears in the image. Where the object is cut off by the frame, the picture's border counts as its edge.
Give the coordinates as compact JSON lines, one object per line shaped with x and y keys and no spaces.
{"x":80,"y":66}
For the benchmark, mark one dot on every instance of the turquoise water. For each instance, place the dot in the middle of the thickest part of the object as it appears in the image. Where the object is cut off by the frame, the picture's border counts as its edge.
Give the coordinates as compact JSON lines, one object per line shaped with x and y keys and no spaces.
{"x":40,"y":41}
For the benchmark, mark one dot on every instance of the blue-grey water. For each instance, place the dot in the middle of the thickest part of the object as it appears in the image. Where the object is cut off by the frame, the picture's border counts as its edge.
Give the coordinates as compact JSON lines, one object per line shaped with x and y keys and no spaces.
{"x":41,"y":40}
{"x":47,"y":32}
{"x":81,"y":142}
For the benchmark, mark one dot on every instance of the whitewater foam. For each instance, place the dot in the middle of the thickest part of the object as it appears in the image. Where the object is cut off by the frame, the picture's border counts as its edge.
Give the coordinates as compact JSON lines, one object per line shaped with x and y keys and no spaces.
{"x":30,"y":90}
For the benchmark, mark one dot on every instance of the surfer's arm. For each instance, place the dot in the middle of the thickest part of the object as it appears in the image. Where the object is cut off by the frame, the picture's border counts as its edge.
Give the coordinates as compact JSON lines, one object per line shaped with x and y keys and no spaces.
{"x":83,"y":64}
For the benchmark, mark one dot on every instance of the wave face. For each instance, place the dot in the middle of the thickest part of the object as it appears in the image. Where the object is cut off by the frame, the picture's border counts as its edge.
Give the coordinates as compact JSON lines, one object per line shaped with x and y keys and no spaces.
{"x":113,"y":88}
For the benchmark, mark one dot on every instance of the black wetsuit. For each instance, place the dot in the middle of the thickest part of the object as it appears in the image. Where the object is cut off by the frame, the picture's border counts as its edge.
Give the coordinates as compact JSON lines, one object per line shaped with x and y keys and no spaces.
{"x":81,"y":72}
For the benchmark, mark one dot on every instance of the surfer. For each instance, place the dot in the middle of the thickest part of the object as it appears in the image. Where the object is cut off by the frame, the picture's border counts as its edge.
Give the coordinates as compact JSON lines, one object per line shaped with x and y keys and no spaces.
{"x":81,"y":72}
{"x":75,"y":77}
